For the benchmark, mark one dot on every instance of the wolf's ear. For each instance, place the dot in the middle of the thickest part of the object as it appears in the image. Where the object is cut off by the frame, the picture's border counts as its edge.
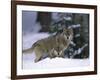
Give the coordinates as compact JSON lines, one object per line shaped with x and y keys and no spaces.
{"x":64,"y":29}
{"x":70,"y":30}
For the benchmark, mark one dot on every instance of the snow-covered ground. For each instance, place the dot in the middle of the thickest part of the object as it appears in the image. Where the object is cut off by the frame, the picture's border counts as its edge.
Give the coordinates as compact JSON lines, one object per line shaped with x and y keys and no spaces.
{"x":28,"y":59}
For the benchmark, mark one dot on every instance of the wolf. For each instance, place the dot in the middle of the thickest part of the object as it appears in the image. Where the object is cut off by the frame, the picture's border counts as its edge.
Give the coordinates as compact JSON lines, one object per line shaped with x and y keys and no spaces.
{"x":52,"y":46}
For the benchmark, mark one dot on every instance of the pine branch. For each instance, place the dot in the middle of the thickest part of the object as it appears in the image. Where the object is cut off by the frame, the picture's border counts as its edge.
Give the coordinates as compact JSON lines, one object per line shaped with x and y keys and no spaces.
{"x":77,"y":35}
{"x":79,"y":50}
{"x":75,"y":26}
{"x":72,"y":43}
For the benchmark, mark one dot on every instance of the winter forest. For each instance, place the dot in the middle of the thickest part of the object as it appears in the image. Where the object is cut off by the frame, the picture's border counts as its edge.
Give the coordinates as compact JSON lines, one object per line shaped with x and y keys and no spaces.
{"x":39,"y":25}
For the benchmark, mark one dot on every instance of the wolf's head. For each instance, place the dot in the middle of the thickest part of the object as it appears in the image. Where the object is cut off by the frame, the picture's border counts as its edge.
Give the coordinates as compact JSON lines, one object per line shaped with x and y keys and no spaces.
{"x":68,"y":34}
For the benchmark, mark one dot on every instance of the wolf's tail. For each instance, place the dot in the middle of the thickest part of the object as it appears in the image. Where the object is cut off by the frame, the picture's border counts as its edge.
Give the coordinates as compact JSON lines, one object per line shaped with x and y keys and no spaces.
{"x":29,"y":50}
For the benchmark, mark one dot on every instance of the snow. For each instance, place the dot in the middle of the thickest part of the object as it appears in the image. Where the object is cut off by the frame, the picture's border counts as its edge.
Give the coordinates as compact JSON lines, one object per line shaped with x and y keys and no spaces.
{"x":67,"y":18}
{"x":47,"y":63}
{"x":75,"y":26}
{"x":72,"y":43}
{"x":77,"y":35}
{"x":81,"y":49}
{"x":31,"y":38}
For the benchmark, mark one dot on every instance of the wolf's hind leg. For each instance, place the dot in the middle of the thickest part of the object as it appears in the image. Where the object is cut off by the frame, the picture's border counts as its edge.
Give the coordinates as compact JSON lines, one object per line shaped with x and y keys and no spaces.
{"x":38,"y":57}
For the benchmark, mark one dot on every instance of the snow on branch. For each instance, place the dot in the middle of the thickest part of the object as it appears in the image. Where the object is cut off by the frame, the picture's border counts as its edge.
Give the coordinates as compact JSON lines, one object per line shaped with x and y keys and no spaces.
{"x":72,"y":43}
{"x":75,"y":26}
{"x":77,"y":35}
{"x":67,"y":18}
{"x":79,"y":50}
{"x":85,"y":45}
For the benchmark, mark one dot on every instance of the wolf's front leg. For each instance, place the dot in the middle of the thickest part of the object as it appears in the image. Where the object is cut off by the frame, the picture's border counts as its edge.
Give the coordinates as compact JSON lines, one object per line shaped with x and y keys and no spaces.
{"x":52,"y":53}
{"x":62,"y":54}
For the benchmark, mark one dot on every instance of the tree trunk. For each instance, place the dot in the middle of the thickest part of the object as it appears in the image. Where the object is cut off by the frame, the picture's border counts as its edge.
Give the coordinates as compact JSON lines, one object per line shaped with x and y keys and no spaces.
{"x":45,"y":20}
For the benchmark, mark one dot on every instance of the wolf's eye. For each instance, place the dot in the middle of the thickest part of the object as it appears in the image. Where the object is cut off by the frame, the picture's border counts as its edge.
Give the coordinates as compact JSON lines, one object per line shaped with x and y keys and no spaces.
{"x":67,"y":37}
